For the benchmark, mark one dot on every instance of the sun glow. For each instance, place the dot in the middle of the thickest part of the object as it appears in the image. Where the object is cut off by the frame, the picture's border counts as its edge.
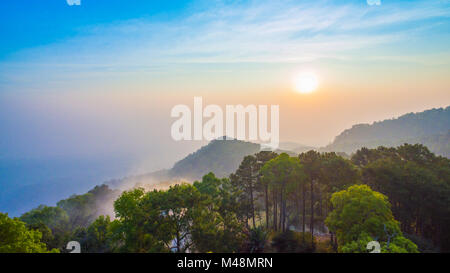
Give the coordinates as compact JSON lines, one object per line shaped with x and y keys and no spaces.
{"x":306,"y":82}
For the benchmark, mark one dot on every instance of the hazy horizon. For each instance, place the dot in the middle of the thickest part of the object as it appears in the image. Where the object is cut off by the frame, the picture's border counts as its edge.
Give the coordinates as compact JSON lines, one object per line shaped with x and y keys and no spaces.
{"x":96,"y":82}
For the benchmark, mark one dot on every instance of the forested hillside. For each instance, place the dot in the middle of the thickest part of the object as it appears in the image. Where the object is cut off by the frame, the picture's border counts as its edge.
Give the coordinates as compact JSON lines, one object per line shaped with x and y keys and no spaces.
{"x":313,"y":202}
{"x":430,"y":128}
{"x":247,"y":200}
{"x":219,"y":156}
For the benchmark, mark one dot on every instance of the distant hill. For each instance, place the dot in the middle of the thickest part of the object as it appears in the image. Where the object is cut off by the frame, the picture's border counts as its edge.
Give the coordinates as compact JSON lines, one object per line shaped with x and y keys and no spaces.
{"x":430,"y":128}
{"x":295,"y":147}
{"x":222,"y":157}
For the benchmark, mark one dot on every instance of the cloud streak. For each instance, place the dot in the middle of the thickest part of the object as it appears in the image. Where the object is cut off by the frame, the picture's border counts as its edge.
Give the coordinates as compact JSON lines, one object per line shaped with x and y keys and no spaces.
{"x":261,"y":32}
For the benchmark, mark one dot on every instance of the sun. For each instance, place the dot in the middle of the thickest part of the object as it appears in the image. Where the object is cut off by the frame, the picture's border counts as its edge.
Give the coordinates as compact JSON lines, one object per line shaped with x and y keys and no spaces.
{"x":306,"y":82}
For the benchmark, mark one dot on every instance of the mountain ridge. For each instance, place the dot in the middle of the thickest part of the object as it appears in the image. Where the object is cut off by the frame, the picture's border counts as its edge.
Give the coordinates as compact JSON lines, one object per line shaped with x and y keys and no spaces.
{"x":430,"y":128}
{"x":222,"y":156}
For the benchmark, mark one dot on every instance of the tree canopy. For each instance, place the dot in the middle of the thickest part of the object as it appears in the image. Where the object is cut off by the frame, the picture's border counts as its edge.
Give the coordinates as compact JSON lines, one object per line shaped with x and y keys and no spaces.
{"x":15,"y":237}
{"x":361,"y":215}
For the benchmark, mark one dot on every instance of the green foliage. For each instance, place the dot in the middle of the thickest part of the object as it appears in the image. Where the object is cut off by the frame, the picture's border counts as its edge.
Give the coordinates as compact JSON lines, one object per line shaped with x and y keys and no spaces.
{"x":185,"y":218}
{"x":15,"y":237}
{"x":216,"y":227}
{"x":244,"y":180}
{"x":423,"y":245}
{"x":361,"y":215}
{"x":399,"y":244}
{"x":52,"y":217}
{"x":84,"y":209}
{"x":213,"y":232}
{"x":247,"y":185}
{"x":418,"y":185}
{"x":292,"y":242}
{"x":182,"y":208}
{"x":141,"y":226}
{"x":257,"y":240}
{"x":284,"y":176}
{"x":97,"y":238}
{"x":70,"y":219}
{"x":337,"y":173}
{"x":283,"y":171}
{"x":52,"y":222}
{"x":226,"y":215}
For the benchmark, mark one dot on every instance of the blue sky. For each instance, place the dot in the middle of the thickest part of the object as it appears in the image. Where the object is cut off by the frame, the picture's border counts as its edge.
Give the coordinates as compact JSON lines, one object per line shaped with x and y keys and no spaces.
{"x":26,"y":24}
{"x":86,"y":90}
{"x":54,"y":25}
{"x":54,"y":56}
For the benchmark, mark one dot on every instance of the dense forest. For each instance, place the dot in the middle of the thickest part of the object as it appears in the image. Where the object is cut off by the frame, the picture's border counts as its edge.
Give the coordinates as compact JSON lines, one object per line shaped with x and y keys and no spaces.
{"x":430,"y":128}
{"x":313,"y":202}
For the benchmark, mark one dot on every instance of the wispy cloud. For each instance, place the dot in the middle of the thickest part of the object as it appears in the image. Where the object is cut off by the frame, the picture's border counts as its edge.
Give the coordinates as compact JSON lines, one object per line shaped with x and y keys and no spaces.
{"x":73,"y":2}
{"x":273,"y":31}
